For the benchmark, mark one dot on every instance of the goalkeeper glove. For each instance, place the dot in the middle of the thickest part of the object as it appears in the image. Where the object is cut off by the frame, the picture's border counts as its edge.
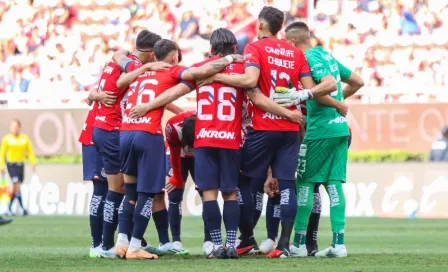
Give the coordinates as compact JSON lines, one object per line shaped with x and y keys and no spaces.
{"x":288,"y":97}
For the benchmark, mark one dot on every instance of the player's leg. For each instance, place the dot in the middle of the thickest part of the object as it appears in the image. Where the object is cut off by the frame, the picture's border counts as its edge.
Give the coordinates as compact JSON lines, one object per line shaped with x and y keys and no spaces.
{"x":257,"y":155}
{"x":314,"y":162}
{"x":14,"y":174}
{"x":229,"y":166}
{"x":108,"y":145}
{"x":160,"y":216}
{"x":337,"y":176}
{"x":313,"y":226}
{"x":273,"y":215}
{"x":207,"y":179}
{"x":283,"y":169}
{"x":21,"y":176}
{"x":150,"y":181}
{"x":257,"y":195}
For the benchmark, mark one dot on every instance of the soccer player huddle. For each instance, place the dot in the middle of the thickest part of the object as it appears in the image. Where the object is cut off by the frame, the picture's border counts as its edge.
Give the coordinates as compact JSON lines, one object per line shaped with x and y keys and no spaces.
{"x":243,"y":141}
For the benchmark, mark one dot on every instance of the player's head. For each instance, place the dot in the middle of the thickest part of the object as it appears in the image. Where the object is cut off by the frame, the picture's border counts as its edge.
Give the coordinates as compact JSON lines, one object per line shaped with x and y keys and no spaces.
{"x":15,"y":126}
{"x":145,"y":43}
{"x":270,"y":21}
{"x":167,"y":51}
{"x":223,"y":42}
{"x":298,"y":34}
{"x":188,"y":130}
{"x":179,"y":58}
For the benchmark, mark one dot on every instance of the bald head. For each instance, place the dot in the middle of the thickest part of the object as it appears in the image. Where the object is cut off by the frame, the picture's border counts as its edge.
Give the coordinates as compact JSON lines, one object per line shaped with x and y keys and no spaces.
{"x":298,"y":34}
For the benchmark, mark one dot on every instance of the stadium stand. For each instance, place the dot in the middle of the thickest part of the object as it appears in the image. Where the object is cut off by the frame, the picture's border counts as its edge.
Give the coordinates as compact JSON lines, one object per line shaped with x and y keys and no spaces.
{"x":57,"y":48}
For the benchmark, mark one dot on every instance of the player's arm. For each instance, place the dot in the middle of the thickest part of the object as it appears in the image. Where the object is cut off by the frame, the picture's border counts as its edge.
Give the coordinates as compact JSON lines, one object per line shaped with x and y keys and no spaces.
{"x":127,"y":78}
{"x":165,"y":98}
{"x":354,"y":81}
{"x":30,"y":153}
{"x":174,"y":109}
{"x":3,"y":149}
{"x":247,"y":80}
{"x":105,"y":98}
{"x":210,"y":68}
{"x":329,"y":101}
{"x":120,"y":58}
{"x":266,"y":104}
{"x":175,"y":151}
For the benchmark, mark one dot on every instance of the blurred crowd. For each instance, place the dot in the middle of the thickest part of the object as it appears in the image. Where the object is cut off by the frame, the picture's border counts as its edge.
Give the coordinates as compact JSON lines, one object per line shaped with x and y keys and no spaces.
{"x":49,"y":46}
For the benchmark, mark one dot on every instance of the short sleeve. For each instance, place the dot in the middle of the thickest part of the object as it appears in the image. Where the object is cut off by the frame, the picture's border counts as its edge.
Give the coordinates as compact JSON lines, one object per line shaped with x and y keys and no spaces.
{"x":132,"y":65}
{"x":344,"y":71}
{"x":304,"y":68}
{"x":318,"y":67}
{"x":252,"y":56}
{"x":177,"y":72}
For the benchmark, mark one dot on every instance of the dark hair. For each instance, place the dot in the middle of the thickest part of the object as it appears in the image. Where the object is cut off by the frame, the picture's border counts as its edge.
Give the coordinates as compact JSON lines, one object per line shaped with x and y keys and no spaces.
{"x":146,"y":40}
{"x":188,"y":127}
{"x":163,"y":48}
{"x":179,"y":58}
{"x":223,"y":42}
{"x":17,"y":121}
{"x":297,"y":25}
{"x":274,"y":17}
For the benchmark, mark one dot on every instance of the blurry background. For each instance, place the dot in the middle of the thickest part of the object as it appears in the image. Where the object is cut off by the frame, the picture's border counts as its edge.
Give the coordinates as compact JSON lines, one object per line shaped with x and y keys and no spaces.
{"x":53,"y":51}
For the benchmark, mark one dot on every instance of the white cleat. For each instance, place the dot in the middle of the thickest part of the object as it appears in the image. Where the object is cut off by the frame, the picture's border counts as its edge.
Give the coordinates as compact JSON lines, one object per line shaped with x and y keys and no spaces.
{"x":267,"y":246}
{"x":108,"y":254}
{"x":332,"y":252}
{"x":178,"y":249}
{"x":95,"y":252}
{"x":298,"y":252}
{"x":207,"y":248}
{"x":237,"y":243}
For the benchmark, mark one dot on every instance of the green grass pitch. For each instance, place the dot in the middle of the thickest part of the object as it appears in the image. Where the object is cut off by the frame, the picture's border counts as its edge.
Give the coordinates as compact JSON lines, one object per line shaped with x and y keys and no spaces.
{"x":62,"y":244}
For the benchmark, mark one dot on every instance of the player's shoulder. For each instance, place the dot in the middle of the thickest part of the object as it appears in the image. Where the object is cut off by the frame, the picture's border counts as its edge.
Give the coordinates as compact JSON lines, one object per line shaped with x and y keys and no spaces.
{"x":207,"y":60}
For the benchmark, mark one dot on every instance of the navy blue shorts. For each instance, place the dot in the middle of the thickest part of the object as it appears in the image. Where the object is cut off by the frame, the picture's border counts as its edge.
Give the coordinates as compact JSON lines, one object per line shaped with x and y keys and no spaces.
{"x":277,"y":149}
{"x":107,"y":143}
{"x":92,"y":164}
{"x":16,"y":172}
{"x":217,"y":168}
{"x":143,"y":156}
{"x":187,"y":167}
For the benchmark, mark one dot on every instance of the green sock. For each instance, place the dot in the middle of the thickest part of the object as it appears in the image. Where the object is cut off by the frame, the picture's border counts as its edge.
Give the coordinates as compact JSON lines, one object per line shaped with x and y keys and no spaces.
{"x":305,"y":195}
{"x":337,"y":210}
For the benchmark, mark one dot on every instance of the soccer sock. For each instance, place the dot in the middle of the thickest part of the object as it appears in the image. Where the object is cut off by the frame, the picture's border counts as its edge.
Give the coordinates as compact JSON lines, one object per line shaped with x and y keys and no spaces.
{"x":258,"y":201}
{"x":175,"y":213}
{"x":13,"y":197}
{"x":273,"y":217}
{"x":313,"y":226}
{"x":207,"y":236}
{"x":231,"y":215}
{"x":337,"y":211}
{"x":126,"y":211}
{"x":142,"y":214}
{"x":304,"y":206}
{"x":213,"y":219}
{"x":246,"y":208}
{"x":19,"y":199}
{"x":110,"y":218}
{"x":288,"y":210}
{"x":96,"y":211}
{"x":161,"y":222}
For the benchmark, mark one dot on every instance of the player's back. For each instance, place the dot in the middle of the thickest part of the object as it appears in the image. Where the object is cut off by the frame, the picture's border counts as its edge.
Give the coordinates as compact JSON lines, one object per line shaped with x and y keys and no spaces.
{"x":173,"y":132}
{"x":278,"y":62}
{"x":145,"y":88}
{"x":219,"y":111}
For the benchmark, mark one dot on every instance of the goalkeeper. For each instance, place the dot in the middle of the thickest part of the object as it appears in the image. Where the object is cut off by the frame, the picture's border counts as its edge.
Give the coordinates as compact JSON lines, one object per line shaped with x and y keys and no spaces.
{"x":323,"y":153}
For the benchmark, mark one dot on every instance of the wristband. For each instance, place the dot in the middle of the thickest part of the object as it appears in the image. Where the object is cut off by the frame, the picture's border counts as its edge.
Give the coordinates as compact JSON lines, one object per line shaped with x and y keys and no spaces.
{"x":229,"y":58}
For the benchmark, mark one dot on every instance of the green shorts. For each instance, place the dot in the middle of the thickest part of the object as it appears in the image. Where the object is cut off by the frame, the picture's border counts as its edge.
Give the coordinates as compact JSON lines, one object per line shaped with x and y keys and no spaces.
{"x":323,"y":160}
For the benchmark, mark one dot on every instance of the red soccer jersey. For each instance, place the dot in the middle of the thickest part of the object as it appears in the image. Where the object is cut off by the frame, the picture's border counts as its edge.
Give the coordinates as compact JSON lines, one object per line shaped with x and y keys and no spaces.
{"x":86,"y":134}
{"x":278,"y":61}
{"x":147,"y":87}
{"x":109,"y":118}
{"x":219,"y":109}
{"x":173,"y":133}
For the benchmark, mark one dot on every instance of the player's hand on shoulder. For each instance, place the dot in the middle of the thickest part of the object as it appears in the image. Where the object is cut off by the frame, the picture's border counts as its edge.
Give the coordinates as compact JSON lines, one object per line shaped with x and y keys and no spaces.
{"x":271,"y":187}
{"x":237,"y":58}
{"x":171,"y":185}
{"x":205,"y":81}
{"x":139,"y":111}
{"x":157,"y":66}
{"x":342,"y":109}
{"x":107,"y":98}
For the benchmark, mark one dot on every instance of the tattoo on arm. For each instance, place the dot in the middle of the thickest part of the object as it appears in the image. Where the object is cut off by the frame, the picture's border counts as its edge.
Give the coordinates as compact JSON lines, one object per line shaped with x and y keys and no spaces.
{"x":195,"y":76}
{"x":123,"y":62}
{"x":219,"y":64}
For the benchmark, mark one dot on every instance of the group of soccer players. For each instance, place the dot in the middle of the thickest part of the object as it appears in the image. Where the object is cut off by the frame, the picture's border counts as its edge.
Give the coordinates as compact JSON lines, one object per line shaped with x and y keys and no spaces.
{"x":242,"y":141}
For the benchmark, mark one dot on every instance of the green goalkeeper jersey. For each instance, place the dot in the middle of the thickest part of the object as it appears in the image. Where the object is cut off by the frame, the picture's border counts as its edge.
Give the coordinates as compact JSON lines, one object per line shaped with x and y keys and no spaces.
{"x":324,"y":121}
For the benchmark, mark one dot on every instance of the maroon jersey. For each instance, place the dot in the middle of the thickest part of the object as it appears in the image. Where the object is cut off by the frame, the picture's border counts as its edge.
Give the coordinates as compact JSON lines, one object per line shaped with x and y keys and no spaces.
{"x":278,"y":62}
{"x":219,"y":109}
{"x":144,"y":89}
{"x":86,"y":134}
{"x":109,"y":118}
